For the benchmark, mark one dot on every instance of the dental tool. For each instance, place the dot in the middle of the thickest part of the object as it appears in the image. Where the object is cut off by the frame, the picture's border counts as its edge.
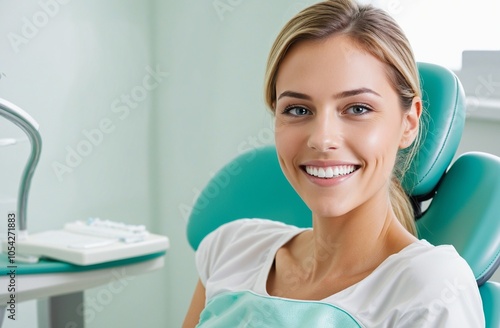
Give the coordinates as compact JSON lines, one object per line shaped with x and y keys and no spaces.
{"x":23,"y":120}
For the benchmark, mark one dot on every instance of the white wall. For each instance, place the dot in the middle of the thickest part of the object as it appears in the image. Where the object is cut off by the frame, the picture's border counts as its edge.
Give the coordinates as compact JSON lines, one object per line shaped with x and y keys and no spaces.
{"x":480,"y":135}
{"x":440,"y":30}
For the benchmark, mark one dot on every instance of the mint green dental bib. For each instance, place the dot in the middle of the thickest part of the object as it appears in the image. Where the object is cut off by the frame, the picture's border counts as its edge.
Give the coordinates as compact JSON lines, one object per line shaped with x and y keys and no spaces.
{"x":247,"y":309}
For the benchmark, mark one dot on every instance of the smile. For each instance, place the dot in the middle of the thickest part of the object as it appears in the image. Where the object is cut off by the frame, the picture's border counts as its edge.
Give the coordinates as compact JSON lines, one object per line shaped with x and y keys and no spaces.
{"x":330,"y":172}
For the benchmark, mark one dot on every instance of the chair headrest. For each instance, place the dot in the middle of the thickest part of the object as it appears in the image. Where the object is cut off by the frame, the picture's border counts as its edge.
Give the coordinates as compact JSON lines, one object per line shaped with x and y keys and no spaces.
{"x":443,"y":99}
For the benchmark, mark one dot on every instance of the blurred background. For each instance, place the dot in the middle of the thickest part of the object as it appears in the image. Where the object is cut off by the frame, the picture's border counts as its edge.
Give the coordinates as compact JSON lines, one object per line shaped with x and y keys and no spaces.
{"x":141,"y":102}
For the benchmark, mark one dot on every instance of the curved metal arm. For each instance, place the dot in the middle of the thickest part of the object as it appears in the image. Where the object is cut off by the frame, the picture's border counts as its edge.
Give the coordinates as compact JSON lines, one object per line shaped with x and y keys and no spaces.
{"x":23,"y":120}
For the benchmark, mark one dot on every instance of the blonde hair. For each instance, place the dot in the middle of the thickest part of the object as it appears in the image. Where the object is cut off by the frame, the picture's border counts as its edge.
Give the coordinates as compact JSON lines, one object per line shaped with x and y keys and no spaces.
{"x":378,"y":34}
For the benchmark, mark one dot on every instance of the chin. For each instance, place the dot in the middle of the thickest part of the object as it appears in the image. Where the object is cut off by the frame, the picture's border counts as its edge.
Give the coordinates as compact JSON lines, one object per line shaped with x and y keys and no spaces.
{"x":328,"y":211}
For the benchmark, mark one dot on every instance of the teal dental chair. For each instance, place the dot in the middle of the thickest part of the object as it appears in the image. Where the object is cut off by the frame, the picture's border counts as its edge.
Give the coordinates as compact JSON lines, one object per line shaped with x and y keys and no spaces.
{"x":465,"y":206}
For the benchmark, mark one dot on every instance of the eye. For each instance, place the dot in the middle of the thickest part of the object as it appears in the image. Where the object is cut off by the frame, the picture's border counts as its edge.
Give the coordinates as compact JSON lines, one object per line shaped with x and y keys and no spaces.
{"x":358,"y":109}
{"x":295,"y":110}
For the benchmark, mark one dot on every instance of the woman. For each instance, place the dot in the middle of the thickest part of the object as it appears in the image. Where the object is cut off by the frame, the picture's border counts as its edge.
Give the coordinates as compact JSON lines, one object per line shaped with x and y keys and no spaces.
{"x":343,"y":85}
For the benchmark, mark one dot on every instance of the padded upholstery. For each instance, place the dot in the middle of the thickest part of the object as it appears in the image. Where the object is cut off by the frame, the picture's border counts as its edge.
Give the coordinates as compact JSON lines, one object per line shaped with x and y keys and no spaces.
{"x":442,"y":129}
{"x":490,"y":294}
{"x":465,"y":213}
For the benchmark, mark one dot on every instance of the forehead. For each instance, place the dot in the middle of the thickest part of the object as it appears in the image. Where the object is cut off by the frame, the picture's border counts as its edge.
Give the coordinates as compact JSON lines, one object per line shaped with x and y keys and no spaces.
{"x":336,"y":63}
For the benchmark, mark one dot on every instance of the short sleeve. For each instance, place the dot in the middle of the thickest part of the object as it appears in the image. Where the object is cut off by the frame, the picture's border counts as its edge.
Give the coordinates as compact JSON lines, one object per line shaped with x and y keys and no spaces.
{"x":210,"y":247}
{"x":229,"y":255}
{"x":228,"y":242}
{"x":447,"y":294}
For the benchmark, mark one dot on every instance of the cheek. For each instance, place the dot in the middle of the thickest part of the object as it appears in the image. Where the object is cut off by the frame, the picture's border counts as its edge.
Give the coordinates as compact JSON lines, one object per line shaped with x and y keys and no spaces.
{"x":288,"y":147}
{"x":284,"y":142}
{"x":378,"y":138}
{"x":381,"y":145}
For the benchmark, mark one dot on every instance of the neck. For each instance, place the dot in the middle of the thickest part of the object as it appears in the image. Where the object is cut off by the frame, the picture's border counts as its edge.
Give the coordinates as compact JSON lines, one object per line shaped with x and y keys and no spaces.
{"x":356,"y":243}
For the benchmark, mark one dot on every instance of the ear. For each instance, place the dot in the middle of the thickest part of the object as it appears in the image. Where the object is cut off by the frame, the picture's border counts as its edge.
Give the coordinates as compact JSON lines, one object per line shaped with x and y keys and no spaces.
{"x":411,"y":122}
{"x":273,"y":109}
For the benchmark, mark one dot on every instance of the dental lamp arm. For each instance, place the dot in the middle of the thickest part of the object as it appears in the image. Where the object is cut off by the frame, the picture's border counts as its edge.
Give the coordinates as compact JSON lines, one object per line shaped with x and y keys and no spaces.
{"x":23,"y":120}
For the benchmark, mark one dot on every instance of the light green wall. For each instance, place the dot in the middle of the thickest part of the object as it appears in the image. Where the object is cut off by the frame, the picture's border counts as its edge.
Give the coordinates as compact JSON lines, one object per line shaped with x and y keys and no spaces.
{"x":68,"y":74}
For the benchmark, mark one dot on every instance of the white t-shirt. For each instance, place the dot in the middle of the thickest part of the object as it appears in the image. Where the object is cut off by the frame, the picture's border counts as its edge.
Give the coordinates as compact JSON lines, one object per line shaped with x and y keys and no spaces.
{"x":421,"y":286}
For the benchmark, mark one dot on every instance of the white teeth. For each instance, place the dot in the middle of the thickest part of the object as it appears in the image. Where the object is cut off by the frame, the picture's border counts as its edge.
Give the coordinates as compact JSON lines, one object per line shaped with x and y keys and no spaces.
{"x":330,"y":171}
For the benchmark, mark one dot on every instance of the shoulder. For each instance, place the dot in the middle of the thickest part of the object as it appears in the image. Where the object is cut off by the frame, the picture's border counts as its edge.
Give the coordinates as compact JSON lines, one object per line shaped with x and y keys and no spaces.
{"x":425,"y":261}
{"x":239,"y":242}
{"x":242,"y":231}
{"x":421,"y":286}
{"x":441,"y":287}
{"x":430,"y":267}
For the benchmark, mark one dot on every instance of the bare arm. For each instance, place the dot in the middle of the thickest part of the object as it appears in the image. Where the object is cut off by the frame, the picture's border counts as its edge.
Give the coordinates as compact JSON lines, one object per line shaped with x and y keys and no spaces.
{"x":197,"y":305}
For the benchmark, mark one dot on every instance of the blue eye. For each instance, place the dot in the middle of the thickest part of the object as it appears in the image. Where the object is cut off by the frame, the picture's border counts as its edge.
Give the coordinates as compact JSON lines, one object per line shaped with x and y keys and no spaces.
{"x":358,"y":110}
{"x":296,"y":111}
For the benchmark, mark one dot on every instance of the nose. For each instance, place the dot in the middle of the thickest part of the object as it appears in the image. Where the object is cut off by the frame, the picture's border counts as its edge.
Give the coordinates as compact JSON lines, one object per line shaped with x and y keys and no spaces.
{"x":325,"y":132}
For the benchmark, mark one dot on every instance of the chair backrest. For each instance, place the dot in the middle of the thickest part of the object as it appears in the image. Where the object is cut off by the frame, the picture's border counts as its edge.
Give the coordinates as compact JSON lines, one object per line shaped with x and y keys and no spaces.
{"x":465,"y":197}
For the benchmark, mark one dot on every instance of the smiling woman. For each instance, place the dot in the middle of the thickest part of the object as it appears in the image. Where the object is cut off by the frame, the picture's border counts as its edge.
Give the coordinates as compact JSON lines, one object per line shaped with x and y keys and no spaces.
{"x":343,"y":85}
{"x":346,"y":116}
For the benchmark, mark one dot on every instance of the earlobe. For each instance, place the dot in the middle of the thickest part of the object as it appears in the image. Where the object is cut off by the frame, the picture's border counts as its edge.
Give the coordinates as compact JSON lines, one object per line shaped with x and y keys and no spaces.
{"x":411,"y":123}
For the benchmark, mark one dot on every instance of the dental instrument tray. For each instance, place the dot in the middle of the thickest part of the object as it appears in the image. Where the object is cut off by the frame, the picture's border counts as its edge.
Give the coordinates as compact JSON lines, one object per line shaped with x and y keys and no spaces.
{"x":91,"y":242}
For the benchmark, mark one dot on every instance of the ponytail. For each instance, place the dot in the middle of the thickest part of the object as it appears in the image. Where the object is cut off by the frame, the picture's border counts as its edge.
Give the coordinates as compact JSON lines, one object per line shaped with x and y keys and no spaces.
{"x":402,"y":206}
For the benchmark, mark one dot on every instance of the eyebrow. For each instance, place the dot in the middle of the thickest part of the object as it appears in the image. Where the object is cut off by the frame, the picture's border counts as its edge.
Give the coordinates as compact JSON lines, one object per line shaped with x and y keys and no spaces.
{"x":293,"y":94}
{"x":343,"y":94}
{"x":355,"y":92}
